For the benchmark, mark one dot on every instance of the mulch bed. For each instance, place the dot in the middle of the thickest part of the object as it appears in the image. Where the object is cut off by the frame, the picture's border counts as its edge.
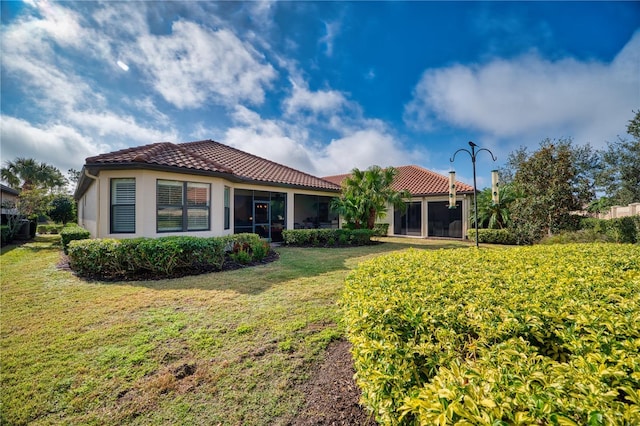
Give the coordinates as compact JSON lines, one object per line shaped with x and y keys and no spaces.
{"x":332,"y":394}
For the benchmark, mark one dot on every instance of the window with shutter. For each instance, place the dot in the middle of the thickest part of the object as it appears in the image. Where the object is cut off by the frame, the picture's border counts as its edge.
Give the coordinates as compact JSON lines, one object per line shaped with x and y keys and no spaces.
{"x":182,"y":206}
{"x":123,"y":206}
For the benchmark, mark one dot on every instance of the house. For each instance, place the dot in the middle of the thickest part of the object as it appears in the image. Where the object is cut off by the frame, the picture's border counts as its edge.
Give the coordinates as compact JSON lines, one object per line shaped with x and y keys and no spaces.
{"x":8,"y":201}
{"x":427,"y":214}
{"x":201,"y":188}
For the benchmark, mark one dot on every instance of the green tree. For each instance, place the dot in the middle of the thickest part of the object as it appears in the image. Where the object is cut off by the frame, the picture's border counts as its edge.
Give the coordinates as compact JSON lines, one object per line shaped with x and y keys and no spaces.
{"x":549,"y":184}
{"x":27,"y":174}
{"x":62,"y":209}
{"x":491,"y":215}
{"x":619,"y":176}
{"x":366,"y":195}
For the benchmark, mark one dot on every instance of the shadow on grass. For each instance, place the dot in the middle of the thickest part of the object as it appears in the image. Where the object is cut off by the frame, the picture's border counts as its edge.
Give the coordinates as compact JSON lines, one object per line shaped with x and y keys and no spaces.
{"x":294,"y":264}
{"x":37,"y":244}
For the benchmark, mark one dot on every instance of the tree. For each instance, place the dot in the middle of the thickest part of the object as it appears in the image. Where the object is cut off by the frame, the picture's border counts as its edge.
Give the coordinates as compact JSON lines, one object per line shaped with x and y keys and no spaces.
{"x":491,"y":215}
{"x":549,"y":184}
{"x":620,"y":175}
{"x":366,"y":194}
{"x":74,"y":176}
{"x":27,"y":174}
{"x":62,"y":209}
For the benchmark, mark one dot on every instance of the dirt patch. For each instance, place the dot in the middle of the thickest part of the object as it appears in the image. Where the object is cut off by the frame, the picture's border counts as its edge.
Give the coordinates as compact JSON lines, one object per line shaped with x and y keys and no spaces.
{"x":332,"y":394}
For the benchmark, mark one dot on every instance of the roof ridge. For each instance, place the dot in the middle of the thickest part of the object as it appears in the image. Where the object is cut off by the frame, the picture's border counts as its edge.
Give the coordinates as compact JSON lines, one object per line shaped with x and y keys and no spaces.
{"x":273,"y":163}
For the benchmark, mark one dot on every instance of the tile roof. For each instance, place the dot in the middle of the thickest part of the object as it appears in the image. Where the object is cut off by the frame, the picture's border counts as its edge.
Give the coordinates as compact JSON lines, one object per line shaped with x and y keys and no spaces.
{"x":211,"y":156}
{"x":417,"y":180}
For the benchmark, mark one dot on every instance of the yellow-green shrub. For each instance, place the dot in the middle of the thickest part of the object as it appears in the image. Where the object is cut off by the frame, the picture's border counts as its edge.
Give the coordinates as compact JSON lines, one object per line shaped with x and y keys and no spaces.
{"x":527,"y":335}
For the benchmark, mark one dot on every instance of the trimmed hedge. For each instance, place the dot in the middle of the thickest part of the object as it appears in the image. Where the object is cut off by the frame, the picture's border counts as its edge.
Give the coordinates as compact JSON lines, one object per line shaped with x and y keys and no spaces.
{"x":72,"y":232}
{"x":492,"y":236}
{"x":50,"y":229}
{"x":525,"y":335}
{"x":327,"y":237}
{"x":165,"y":256}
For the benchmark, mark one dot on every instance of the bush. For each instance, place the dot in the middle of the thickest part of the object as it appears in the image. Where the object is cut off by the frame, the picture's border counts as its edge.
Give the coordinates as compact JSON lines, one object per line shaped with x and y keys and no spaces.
{"x":582,"y":236}
{"x":72,"y":232}
{"x":327,"y":237}
{"x":5,"y":232}
{"x":381,"y":229}
{"x":620,"y":230}
{"x":492,"y":236}
{"x":525,"y":335}
{"x":49,"y":229}
{"x":165,"y":256}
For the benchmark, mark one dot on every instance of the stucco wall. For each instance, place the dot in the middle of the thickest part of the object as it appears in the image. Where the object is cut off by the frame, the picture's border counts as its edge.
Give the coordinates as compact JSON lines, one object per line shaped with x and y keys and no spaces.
{"x":94,"y":206}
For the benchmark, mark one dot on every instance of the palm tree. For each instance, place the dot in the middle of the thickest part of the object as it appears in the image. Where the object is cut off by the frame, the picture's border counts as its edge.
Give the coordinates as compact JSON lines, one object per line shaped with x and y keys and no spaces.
{"x":491,"y":215}
{"x":366,"y":194}
{"x":27,"y":174}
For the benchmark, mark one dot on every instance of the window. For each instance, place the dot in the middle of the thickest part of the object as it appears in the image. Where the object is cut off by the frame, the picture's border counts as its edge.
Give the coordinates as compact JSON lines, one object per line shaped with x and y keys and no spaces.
{"x":227,"y":207}
{"x":123,"y":206}
{"x":182,"y":206}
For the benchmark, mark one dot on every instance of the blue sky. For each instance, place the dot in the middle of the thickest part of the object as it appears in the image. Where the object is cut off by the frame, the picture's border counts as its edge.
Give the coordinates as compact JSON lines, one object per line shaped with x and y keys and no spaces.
{"x":319,"y":86}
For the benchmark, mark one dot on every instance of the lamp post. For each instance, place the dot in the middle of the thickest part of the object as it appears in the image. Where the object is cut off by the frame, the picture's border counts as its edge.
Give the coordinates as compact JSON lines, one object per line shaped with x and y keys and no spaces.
{"x":473,"y":154}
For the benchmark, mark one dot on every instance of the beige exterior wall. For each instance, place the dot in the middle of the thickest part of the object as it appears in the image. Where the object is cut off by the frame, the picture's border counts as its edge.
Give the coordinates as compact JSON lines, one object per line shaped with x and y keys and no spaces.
{"x":88,"y":209}
{"x":94,"y":208}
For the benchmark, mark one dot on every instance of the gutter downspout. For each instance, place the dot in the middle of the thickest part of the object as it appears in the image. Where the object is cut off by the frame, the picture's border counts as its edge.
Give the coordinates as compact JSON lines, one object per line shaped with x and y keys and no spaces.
{"x":95,"y":178}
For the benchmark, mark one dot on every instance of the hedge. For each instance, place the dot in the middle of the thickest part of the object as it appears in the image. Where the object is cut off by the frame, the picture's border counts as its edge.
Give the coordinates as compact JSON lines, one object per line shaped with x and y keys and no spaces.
{"x":381,"y":229}
{"x":620,"y":230}
{"x":121,"y":259}
{"x":5,"y":232}
{"x":72,"y":232}
{"x":525,"y":335}
{"x":50,"y":229}
{"x":327,"y":237}
{"x":492,"y":236}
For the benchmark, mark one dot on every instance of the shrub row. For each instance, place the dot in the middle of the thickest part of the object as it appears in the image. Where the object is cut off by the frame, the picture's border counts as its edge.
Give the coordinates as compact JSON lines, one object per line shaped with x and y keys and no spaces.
{"x":50,"y":229}
{"x":492,"y":236}
{"x":526,"y":335}
{"x":620,"y":230}
{"x":327,"y":237}
{"x":119,"y":259}
{"x":72,"y":232}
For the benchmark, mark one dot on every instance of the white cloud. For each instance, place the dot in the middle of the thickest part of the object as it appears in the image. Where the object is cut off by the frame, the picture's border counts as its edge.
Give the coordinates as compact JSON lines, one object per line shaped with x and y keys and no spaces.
{"x":290,"y":144}
{"x":332,"y":29}
{"x":59,"y":145}
{"x":193,"y":65}
{"x":530,"y":95}
{"x":363,"y":149}
{"x":272,"y":139}
{"x":304,"y":100}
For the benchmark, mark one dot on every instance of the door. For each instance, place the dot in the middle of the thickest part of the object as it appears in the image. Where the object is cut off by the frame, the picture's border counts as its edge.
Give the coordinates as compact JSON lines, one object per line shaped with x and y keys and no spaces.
{"x":261,"y":216}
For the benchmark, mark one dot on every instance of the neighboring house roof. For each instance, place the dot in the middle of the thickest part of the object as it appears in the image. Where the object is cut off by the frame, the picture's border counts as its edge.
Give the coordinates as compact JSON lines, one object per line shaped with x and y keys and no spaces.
{"x":203,"y":157}
{"x":417,"y":180}
{"x":8,"y":190}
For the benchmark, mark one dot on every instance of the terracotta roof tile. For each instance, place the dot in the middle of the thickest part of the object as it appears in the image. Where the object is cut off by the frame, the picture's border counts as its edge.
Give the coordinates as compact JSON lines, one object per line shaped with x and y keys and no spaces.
{"x":256,"y":168}
{"x":211,"y":156}
{"x":417,"y":180}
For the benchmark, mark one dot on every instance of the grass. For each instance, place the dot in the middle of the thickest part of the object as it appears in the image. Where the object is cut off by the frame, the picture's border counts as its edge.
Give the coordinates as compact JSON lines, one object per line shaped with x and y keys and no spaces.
{"x":222,"y":348}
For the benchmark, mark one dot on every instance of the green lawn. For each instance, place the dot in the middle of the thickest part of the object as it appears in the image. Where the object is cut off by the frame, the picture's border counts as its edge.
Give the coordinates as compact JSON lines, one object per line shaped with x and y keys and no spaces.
{"x":222,"y":348}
